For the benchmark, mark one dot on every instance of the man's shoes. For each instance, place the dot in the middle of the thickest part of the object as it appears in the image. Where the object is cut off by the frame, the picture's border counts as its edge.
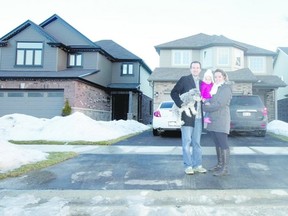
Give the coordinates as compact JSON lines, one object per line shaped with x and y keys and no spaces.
{"x":199,"y":169}
{"x":189,"y":171}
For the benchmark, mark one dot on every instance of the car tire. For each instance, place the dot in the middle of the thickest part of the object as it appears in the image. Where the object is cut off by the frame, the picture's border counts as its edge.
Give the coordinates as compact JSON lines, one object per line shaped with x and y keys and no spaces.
{"x":261,"y":133}
{"x":155,"y":132}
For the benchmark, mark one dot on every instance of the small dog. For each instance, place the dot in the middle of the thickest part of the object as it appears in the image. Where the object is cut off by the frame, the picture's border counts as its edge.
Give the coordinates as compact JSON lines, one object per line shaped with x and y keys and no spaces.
{"x":189,"y":99}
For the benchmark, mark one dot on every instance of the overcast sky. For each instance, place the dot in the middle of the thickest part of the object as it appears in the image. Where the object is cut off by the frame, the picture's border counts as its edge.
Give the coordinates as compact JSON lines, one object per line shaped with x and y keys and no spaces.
{"x":139,"y":25}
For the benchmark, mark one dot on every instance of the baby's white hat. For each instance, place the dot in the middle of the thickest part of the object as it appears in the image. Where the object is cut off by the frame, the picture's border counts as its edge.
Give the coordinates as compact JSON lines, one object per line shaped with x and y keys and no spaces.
{"x":209,"y":73}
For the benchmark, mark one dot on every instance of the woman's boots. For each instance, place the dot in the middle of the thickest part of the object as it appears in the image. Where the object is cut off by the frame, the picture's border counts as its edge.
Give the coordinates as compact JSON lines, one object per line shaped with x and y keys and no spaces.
{"x":219,"y":159}
{"x":225,"y":154}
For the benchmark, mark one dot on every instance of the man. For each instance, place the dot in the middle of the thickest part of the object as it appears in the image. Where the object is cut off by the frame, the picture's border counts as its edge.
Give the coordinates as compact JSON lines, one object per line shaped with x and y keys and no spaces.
{"x":191,"y":130}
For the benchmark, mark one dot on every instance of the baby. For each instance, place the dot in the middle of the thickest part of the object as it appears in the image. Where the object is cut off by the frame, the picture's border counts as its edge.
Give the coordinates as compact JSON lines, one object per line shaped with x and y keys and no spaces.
{"x":205,"y":88}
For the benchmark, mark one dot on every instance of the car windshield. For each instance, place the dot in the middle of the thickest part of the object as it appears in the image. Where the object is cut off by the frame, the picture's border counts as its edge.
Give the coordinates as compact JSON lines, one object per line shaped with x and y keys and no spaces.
{"x":245,"y":101}
{"x":167,"y":105}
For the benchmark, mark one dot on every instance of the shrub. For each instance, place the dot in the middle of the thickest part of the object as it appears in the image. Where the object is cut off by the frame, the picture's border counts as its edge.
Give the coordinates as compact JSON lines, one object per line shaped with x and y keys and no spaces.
{"x":66,"y":109}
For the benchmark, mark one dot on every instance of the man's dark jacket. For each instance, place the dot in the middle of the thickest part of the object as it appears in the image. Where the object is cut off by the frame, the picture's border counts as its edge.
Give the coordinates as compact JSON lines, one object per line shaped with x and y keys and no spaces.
{"x":183,"y":85}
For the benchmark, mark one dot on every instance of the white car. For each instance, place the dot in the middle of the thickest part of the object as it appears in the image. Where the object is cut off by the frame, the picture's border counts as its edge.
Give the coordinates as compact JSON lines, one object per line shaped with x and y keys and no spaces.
{"x":164,"y":119}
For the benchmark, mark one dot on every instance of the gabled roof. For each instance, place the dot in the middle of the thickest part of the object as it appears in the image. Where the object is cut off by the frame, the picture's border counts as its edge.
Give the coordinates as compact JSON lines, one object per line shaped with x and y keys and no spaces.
{"x":68,"y":73}
{"x":202,"y":41}
{"x":239,"y":76}
{"x":24,"y":26}
{"x":173,"y":74}
{"x":57,"y":18}
{"x":126,"y":86}
{"x":53,"y":41}
{"x":119,"y":53}
{"x":162,"y":74}
{"x":253,"y":50}
{"x":284,"y":49}
{"x":109,"y":48}
{"x":243,"y":75}
{"x":116,"y":51}
{"x":269,"y":81}
{"x":198,"y":41}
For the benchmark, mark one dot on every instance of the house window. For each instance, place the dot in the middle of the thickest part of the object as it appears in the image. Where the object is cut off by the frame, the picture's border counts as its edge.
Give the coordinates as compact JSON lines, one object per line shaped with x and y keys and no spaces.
{"x":238,"y":61}
{"x":238,"y":58}
{"x":127,"y":69}
{"x":223,"y":56}
{"x":207,"y":58}
{"x":75,"y":60}
{"x":256,"y":64}
{"x":181,"y":57}
{"x":35,"y":94}
{"x":29,"y":54}
{"x":15,"y":94}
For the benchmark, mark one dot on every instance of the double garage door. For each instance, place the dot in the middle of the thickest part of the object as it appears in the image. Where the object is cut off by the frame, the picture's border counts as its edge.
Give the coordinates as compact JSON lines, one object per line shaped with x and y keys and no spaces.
{"x":38,"y":103}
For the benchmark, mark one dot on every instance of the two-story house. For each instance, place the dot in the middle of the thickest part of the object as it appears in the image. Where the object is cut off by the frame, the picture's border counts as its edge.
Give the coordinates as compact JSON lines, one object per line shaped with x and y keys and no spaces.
{"x":42,"y":66}
{"x":249,"y":67}
{"x":281,"y":70}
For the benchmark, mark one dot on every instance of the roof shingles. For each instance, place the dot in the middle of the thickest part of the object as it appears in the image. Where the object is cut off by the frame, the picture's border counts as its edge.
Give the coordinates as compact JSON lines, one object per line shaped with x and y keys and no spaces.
{"x":201,"y":41}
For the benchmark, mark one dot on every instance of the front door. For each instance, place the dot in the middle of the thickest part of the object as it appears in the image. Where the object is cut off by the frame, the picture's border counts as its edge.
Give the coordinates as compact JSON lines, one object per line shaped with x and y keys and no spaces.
{"x":120,"y":105}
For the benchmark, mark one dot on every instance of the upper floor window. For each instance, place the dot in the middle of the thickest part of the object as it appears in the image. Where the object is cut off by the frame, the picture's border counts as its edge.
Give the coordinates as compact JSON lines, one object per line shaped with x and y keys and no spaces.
{"x":127,"y":69}
{"x":223,"y":56}
{"x":29,"y":53}
{"x":256,"y":64}
{"x":238,"y":61}
{"x":75,"y":60}
{"x":207,"y":58}
{"x":181,"y":57}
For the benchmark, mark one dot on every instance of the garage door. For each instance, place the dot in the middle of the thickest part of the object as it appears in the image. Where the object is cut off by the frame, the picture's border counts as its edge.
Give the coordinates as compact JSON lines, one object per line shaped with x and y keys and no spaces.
{"x":38,"y":103}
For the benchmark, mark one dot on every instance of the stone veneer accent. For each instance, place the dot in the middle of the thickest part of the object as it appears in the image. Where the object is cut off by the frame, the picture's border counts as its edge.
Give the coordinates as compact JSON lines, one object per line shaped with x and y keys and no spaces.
{"x":242,"y":88}
{"x":270,"y":105}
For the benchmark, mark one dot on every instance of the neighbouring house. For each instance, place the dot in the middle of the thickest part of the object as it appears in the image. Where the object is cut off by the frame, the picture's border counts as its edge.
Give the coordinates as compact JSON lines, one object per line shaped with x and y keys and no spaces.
{"x":249,"y":67}
{"x":281,"y":70}
{"x":43,"y":66}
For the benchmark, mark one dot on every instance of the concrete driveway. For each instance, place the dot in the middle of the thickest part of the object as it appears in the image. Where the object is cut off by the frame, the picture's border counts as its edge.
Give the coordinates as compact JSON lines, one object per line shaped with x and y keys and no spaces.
{"x":157,"y":165}
{"x":146,"y":167}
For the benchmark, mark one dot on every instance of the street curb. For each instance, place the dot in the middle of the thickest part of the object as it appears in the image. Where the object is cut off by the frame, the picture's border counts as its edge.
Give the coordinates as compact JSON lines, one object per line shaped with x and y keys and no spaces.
{"x":264,"y":202}
{"x":213,"y":197}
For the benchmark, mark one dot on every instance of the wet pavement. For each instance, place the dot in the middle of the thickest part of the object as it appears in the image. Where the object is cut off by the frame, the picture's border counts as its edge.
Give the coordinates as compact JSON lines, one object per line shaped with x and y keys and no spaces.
{"x":154,"y":167}
{"x":148,"y":170}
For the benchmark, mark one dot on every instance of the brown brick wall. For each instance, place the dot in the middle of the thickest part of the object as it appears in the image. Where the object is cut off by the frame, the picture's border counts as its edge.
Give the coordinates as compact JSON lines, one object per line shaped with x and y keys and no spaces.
{"x":162,"y":92}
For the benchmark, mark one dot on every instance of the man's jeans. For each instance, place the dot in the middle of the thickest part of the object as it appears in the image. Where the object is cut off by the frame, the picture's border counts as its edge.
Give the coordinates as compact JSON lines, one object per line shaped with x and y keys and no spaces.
{"x":191,"y":136}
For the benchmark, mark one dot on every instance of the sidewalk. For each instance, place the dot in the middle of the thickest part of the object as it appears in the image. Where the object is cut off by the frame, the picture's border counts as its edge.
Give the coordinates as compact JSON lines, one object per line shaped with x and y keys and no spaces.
{"x":145,"y":202}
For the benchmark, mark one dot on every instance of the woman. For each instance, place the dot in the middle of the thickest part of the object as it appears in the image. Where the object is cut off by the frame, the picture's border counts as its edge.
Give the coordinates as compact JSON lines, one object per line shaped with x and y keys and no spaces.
{"x":219,"y":113}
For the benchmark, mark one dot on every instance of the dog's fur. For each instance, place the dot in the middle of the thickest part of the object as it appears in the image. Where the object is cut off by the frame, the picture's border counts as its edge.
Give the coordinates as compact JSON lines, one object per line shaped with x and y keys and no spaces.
{"x":189,"y":99}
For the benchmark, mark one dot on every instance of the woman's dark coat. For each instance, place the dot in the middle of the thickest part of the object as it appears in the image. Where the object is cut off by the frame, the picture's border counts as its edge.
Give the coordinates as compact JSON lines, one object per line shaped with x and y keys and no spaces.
{"x":218,"y":109}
